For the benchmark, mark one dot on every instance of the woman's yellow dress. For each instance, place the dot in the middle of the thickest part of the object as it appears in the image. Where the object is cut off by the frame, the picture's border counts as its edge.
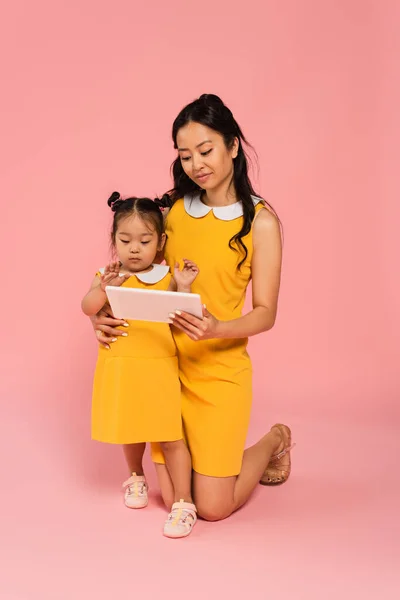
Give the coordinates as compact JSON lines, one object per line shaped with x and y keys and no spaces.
{"x":216,"y":375}
{"x":136,"y":390}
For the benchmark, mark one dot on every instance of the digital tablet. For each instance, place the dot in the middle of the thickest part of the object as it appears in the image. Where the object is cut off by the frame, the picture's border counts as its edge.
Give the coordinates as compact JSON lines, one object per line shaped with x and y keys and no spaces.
{"x":151,"y":305}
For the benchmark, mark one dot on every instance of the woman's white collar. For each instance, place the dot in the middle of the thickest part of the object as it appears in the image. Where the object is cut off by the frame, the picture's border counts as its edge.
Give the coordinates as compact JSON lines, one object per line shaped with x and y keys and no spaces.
{"x":157,"y":273}
{"x":196,"y":208}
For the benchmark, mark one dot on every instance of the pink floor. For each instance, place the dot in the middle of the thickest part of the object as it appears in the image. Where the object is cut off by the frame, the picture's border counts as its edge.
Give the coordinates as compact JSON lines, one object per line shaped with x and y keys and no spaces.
{"x":331,"y":532}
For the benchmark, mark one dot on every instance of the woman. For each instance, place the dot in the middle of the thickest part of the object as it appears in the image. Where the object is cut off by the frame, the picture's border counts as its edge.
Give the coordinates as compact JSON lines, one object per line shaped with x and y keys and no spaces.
{"x":216,"y":220}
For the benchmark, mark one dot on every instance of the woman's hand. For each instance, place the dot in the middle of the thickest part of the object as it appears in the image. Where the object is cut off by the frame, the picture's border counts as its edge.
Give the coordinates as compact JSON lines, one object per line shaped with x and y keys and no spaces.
{"x":104,"y":325}
{"x":197,"y":329}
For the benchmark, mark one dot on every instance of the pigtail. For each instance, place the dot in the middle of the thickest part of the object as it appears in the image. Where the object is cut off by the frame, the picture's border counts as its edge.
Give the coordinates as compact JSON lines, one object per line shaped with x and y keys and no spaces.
{"x":115,"y":201}
{"x":164,"y":202}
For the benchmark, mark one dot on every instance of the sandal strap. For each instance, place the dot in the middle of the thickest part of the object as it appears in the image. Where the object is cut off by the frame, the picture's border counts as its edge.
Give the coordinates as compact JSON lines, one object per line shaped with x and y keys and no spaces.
{"x":180,"y":511}
{"x":184,"y":505}
{"x":134,"y":479}
{"x":282,"y":453}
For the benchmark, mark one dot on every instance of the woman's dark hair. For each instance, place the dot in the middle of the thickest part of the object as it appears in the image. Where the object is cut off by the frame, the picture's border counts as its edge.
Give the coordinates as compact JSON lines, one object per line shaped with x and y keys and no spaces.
{"x":146,"y":209}
{"x":209,"y":110}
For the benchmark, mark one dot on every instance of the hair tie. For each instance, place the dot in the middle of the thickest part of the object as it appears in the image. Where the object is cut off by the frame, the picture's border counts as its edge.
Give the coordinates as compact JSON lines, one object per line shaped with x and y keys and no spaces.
{"x":163,"y":202}
{"x":115,"y":201}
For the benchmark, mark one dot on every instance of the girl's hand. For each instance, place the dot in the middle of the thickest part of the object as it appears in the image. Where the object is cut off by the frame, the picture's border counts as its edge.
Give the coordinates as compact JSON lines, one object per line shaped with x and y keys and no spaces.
{"x":197,"y":329}
{"x":104,"y":325}
{"x":185,"y":278}
{"x":112,"y":276}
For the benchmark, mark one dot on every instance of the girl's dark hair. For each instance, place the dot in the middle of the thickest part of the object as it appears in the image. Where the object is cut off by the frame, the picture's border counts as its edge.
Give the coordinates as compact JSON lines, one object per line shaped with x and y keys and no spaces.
{"x":146,"y":209}
{"x":209,"y":110}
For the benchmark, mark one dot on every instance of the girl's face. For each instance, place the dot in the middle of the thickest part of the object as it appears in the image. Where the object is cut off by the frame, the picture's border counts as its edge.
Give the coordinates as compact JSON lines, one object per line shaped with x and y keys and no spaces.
{"x":204,"y":155}
{"x":137,"y":243}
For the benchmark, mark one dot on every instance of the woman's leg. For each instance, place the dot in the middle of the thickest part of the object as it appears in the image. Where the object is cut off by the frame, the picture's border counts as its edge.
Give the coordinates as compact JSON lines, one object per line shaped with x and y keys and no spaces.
{"x":175,"y":478}
{"x":165,"y":483}
{"x":134,"y":457}
{"x":218,"y":497}
{"x":179,"y":465}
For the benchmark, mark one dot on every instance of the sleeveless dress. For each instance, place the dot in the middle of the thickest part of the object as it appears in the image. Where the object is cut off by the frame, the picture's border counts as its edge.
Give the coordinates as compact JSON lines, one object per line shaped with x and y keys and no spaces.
{"x":216,"y":375}
{"x":136,"y":389}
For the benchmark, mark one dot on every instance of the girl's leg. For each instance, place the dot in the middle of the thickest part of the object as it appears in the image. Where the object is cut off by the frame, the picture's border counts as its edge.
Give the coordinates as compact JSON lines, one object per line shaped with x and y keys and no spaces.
{"x":136,"y":490}
{"x":218,"y":497}
{"x":134,"y":457}
{"x":179,"y":464}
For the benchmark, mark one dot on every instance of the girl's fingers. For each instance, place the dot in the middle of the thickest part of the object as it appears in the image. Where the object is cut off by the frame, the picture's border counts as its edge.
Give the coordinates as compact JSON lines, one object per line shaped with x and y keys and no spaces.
{"x":110,"y":269}
{"x":118,"y":281}
{"x":190,"y":265}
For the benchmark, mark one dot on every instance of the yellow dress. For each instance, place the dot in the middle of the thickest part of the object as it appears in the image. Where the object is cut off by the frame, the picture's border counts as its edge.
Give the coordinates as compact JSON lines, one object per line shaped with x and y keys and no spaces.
{"x":216,"y":375}
{"x":136,"y":389}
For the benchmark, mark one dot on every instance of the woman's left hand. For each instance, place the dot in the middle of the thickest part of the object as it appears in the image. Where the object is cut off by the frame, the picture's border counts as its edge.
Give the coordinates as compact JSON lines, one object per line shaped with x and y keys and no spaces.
{"x":197,"y":329}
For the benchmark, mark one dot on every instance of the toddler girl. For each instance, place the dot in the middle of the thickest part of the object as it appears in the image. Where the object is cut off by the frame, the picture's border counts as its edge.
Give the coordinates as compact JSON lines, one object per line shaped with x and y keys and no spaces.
{"x":136,"y":390}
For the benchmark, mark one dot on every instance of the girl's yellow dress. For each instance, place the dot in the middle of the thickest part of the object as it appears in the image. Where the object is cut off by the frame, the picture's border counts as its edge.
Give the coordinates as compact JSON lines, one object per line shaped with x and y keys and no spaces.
{"x":136,"y":390}
{"x":216,"y":375}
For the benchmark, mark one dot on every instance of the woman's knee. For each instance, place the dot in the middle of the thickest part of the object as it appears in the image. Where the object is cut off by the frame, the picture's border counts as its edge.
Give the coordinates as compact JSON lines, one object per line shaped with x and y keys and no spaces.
{"x":214,"y":496}
{"x":213,"y":511}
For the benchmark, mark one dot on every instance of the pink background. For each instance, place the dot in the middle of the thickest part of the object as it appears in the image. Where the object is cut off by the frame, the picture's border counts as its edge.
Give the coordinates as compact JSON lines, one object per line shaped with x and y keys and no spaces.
{"x":90,"y":91}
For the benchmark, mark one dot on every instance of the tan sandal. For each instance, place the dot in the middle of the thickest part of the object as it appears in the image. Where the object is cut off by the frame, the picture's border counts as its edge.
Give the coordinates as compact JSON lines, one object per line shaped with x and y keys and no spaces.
{"x":275,"y":473}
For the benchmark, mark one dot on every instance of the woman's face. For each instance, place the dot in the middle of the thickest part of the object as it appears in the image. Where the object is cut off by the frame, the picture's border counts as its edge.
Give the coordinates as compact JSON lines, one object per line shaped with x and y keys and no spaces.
{"x":204,"y":155}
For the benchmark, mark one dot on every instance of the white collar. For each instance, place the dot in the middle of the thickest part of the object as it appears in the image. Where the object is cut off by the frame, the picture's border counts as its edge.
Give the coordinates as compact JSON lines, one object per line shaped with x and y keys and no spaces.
{"x":157,"y":273}
{"x":196,"y":208}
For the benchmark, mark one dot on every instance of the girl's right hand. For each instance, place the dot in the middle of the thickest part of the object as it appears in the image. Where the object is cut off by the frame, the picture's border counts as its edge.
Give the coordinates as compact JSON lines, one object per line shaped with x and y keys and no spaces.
{"x":112,"y":276}
{"x":104,"y":325}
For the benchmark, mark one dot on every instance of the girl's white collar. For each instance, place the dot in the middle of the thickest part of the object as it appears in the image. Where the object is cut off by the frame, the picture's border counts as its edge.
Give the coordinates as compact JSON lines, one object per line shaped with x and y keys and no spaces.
{"x":197,"y":209}
{"x":157,"y":273}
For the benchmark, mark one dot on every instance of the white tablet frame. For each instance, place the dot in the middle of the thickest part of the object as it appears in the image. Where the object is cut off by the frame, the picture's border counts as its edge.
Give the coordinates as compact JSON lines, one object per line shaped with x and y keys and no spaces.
{"x":155,"y":306}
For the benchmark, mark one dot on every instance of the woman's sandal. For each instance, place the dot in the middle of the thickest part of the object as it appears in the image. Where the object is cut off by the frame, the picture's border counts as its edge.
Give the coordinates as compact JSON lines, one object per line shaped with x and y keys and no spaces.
{"x":276,"y":473}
